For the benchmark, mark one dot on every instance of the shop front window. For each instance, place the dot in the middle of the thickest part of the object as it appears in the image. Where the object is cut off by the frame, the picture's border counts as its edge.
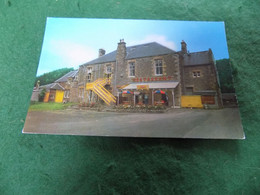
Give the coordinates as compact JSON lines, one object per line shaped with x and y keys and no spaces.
{"x":146,"y":98}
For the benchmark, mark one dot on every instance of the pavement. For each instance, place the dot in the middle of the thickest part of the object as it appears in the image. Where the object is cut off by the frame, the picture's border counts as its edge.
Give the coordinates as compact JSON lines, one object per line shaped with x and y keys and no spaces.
{"x":176,"y":123}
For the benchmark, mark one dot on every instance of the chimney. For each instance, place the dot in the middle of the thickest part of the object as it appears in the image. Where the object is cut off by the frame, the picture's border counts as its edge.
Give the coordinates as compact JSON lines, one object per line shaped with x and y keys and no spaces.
{"x":120,"y":68}
{"x":183,"y":47}
{"x":121,"y":50}
{"x":101,"y":52}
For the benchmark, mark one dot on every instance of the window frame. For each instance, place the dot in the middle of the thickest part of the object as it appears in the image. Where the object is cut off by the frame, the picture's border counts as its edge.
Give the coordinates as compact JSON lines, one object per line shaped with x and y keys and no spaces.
{"x":108,"y":72}
{"x":157,"y":67}
{"x":131,"y":66}
{"x":196,"y":73}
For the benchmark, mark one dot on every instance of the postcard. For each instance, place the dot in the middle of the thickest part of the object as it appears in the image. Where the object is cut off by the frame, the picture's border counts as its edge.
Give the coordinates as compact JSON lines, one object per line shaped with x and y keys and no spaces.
{"x":134,"y":78}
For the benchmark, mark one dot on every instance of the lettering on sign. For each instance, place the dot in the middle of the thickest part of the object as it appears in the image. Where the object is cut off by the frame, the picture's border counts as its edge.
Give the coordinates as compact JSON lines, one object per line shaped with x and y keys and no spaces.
{"x":148,"y":79}
{"x":143,"y":87}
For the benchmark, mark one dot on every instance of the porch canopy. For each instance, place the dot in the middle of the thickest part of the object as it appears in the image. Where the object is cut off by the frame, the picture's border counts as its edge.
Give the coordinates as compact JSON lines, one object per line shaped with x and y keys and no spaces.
{"x":153,"y":85}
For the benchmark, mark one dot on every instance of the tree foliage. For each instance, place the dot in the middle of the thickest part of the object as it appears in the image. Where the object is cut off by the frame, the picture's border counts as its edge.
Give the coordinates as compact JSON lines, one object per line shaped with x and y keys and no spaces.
{"x":225,"y":76}
{"x":42,"y":94}
{"x":50,"y":77}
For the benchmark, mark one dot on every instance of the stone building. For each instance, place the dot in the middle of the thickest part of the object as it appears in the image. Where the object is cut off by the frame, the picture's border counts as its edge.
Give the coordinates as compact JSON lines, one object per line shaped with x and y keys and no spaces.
{"x":65,"y":89}
{"x":70,"y":84}
{"x":54,"y":92}
{"x":199,"y":76}
{"x":150,"y":74}
{"x":141,"y":69}
{"x":146,"y":74}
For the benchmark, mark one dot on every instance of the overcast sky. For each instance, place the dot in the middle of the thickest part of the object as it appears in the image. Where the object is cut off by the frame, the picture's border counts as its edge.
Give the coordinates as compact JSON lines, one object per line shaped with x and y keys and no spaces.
{"x":70,"y":42}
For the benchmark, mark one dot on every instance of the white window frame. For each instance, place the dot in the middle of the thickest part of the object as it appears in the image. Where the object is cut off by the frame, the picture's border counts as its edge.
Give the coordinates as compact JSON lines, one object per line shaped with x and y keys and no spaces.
{"x":89,"y":70}
{"x":107,"y":68}
{"x":196,"y":74}
{"x":156,"y":66}
{"x":131,"y":69}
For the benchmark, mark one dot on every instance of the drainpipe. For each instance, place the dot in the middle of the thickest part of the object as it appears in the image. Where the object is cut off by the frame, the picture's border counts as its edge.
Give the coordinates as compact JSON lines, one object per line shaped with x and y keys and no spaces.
{"x":115,"y":89}
{"x":134,"y":98}
{"x":173,"y":102}
{"x":152,"y":98}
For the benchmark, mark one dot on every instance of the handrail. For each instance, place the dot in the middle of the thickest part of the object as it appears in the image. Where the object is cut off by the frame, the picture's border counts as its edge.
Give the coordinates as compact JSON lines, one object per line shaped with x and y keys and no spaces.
{"x":103,"y":88}
{"x":98,"y":87}
{"x":101,"y":96}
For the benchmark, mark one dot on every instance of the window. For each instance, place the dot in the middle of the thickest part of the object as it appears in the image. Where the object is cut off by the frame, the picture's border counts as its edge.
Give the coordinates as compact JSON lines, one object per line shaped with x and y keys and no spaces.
{"x":108,"y":70}
{"x":89,"y":77}
{"x":67,"y":94}
{"x":196,"y":74}
{"x":131,"y":69}
{"x":189,"y":90}
{"x":158,"y":67}
{"x":89,"y":71}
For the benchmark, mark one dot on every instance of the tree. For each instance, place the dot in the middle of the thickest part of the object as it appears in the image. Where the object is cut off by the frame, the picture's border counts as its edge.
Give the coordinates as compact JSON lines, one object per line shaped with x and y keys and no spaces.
{"x":50,"y":77}
{"x":225,"y":76}
{"x":42,"y":94}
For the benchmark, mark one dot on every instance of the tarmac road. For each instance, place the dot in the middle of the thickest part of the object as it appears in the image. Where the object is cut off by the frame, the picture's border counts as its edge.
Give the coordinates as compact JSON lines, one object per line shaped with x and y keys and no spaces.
{"x":178,"y":123}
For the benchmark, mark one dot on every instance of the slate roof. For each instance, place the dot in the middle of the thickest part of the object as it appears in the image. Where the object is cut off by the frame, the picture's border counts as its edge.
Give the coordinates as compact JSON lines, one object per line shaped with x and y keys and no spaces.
{"x":66,"y":76}
{"x":137,"y":51}
{"x":52,"y":86}
{"x":197,"y":58}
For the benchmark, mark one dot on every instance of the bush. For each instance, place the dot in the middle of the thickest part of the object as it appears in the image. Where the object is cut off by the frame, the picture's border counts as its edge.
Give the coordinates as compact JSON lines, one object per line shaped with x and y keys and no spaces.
{"x":42,"y":94}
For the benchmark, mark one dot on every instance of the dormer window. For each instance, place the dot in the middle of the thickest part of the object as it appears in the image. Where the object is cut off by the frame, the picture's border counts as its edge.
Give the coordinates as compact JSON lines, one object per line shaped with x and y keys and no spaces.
{"x":158,"y":67}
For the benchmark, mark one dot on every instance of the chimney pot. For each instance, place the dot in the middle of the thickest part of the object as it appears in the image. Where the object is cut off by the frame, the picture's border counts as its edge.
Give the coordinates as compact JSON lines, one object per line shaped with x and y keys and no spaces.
{"x":183,"y":47}
{"x":101,"y":52}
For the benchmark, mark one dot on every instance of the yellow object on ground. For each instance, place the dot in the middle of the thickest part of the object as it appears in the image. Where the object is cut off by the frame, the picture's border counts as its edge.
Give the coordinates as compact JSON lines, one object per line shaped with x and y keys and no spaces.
{"x":59,"y":96}
{"x":191,"y":101}
{"x":46,"y":97}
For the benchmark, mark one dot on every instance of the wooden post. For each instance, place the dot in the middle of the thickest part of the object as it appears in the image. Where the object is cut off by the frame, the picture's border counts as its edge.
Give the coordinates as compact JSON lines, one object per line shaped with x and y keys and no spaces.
{"x":152,"y":98}
{"x":173,"y":102}
{"x":134,"y":98}
{"x":118,"y":98}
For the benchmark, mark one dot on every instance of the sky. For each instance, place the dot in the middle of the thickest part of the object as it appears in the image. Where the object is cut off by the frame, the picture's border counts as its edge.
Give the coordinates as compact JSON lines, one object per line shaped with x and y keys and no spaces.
{"x":70,"y":42}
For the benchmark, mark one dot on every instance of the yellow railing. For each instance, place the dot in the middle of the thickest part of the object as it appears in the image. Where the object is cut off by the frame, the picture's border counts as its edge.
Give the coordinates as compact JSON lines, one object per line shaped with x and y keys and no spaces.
{"x":98,"y":88}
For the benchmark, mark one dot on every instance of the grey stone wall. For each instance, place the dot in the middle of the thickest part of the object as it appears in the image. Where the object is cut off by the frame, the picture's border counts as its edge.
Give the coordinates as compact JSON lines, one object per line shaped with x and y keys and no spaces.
{"x":145,"y":67}
{"x":206,"y":81}
{"x":74,"y":94}
{"x":120,"y":66}
{"x":81,"y":74}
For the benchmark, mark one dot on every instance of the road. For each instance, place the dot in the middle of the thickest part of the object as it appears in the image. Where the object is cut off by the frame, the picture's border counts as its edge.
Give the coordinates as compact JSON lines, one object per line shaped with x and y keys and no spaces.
{"x":178,"y":123}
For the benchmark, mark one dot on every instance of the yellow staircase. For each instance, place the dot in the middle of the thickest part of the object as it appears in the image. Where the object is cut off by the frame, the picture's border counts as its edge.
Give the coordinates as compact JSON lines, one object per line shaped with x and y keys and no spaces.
{"x":98,"y":88}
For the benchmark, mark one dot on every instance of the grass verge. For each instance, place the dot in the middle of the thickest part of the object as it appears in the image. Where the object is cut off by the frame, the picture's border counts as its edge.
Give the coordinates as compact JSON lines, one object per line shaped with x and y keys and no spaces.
{"x":40,"y":106}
